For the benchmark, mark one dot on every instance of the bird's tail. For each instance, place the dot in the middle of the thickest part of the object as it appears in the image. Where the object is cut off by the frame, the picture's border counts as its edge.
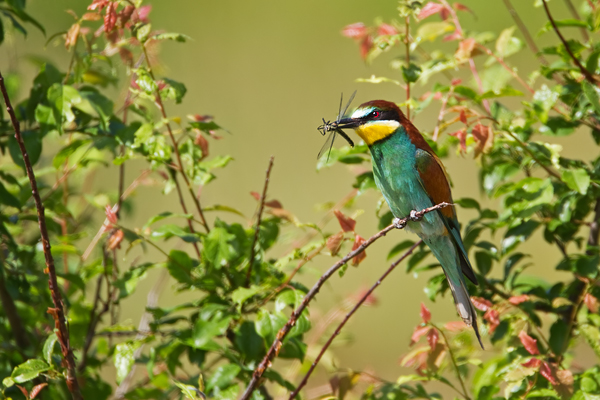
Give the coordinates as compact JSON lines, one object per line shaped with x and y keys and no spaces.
{"x":463,"y":304}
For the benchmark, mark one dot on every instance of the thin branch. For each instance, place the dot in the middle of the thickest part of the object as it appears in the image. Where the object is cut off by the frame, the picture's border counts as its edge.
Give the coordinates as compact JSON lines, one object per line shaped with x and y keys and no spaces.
{"x":258,"y":219}
{"x":278,"y":342}
{"x":58,"y":311}
{"x":161,"y":107}
{"x":436,"y":131}
{"x":523,"y":28}
{"x":524,"y":146}
{"x":451,"y":353}
{"x":94,"y":319}
{"x":575,"y":14}
{"x":587,"y":74}
{"x":500,"y":60}
{"x":348,"y":316}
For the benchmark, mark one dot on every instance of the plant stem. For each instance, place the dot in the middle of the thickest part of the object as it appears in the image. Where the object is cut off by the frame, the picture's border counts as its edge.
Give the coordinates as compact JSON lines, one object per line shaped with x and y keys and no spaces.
{"x":451,"y":353}
{"x":258,"y":219}
{"x":175,"y":147}
{"x":278,"y":342}
{"x":575,"y":14}
{"x":58,"y":311}
{"x":349,"y":315}
{"x":523,"y":28}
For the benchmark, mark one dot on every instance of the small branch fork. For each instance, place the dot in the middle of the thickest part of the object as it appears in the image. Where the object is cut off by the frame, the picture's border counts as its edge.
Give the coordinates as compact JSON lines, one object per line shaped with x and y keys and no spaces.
{"x":349,"y":315}
{"x":58,"y":311}
{"x":258,"y":220}
{"x":283,"y":332}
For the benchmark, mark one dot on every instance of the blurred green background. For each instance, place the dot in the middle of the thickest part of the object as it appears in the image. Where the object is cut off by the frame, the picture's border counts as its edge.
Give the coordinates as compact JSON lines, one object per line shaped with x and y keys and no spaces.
{"x":269,"y":71}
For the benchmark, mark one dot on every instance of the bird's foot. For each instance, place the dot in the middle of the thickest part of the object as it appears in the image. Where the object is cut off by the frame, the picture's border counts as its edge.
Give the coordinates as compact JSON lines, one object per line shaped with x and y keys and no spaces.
{"x":415,"y":216}
{"x":399,"y":223}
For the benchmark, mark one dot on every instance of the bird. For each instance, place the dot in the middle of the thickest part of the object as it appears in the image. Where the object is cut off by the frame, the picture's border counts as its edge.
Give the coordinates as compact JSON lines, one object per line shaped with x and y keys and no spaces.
{"x":411,"y":177}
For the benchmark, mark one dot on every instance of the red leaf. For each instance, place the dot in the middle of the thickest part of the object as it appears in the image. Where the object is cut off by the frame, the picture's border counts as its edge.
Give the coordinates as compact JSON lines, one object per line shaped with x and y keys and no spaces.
{"x":371,"y":300}
{"x":463,"y":117}
{"x":430,"y":9}
{"x":529,"y":343}
{"x":141,"y":14}
{"x":346,"y":222}
{"x":24,"y":391}
{"x":125,"y":14}
{"x":432,"y":338}
{"x":72,"y":35}
{"x":493,"y":318}
{"x":484,"y":136}
{"x":532,"y":363}
{"x":425,"y":313}
{"x":546,"y":372}
{"x":91,"y":17}
{"x":255,"y":195}
{"x":455,"y":326}
{"x":273,"y":204}
{"x":334,"y":242}
{"x":110,"y":18}
{"x":114,"y":241}
{"x":456,"y":81}
{"x":481,"y":304}
{"x":418,"y":334}
{"x":444,"y":14}
{"x":514,"y":300}
{"x":452,"y":36}
{"x":110,"y":214}
{"x":355,"y":31}
{"x":126,"y":56}
{"x":98,"y":4}
{"x":462,"y":7}
{"x":37,"y":389}
{"x":357,"y":259}
{"x":465,"y":49}
{"x":365,"y":46}
{"x":201,"y":142}
{"x":386,"y":29}
{"x":461,"y":135}
{"x":591,"y":302}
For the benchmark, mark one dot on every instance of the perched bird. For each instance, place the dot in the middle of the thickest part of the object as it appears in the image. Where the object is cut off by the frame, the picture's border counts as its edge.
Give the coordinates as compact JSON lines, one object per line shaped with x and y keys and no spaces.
{"x":411,"y":177}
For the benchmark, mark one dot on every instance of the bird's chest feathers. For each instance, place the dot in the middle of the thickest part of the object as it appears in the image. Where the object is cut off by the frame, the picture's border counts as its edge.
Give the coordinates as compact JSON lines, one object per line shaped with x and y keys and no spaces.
{"x":375,"y":131}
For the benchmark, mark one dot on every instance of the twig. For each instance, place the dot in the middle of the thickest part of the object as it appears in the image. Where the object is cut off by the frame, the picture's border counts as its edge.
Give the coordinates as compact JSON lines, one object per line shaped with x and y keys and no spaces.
{"x":175,"y":147}
{"x":258,"y":219}
{"x":588,"y":76}
{"x":575,"y":14}
{"x":524,"y":146}
{"x":278,"y":342}
{"x":451,"y":353}
{"x":407,"y":43}
{"x":436,"y":131}
{"x":523,"y":28}
{"x":94,"y":319}
{"x":349,"y":315}
{"x":506,"y":67}
{"x":58,"y":311}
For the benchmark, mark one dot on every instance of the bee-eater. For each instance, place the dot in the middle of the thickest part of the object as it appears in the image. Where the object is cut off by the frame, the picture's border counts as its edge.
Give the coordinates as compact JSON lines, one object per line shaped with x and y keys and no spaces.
{"x":412,"y":177}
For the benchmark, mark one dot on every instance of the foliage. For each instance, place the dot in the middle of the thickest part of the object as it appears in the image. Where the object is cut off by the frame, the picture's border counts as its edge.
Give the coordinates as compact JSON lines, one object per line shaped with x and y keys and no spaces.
{"x":243,"y":290}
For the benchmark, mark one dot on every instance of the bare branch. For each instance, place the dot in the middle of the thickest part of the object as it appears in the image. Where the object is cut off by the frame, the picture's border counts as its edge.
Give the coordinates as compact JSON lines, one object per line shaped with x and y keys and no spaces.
{"x":58,"y":311}
{"x":278,"y":342}
{"x":348,"y":316}
{"x":258,"y":219}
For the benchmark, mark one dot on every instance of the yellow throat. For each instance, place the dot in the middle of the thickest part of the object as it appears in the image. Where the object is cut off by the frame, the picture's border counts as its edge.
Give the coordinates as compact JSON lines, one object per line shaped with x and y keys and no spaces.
{"x":374,"y":131}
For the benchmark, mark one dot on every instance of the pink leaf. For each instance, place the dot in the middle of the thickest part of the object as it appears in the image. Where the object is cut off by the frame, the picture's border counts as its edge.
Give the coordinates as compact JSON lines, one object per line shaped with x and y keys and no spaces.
{"x":532,"y":363}
{"x":334,"y":242}
{"x":493,"y":318}
{"x":386,"y":30}
{"x":432,"y":338}
{"x":591,"y":302}
{"x":273,"y":204}
{"x":346,"y":222}
{"x":452,"y":36}
{"x":418,"y":334}
{"x":365,"y":46}
{"x":256,"y":195}
{"x":355,"y":31}
{"x":529,"y":343}
{"x":425,"y":313}
{"x":110,"y":18}
{"x":461,"y":135}
{"x":514,"y":300}
{"x":455,"y":326}
{"x":480,"y":303}
{"x":430,"y":9}
{"x":546,"y":372}
{"x":357,"y":259}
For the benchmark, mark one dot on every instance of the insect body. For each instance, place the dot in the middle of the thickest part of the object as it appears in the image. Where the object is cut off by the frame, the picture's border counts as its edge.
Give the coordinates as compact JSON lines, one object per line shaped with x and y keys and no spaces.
{"x":332,"y":127}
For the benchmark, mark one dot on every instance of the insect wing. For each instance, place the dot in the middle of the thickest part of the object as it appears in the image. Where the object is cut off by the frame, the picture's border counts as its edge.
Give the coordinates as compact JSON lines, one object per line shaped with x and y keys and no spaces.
{"x":327,"y":146}
{"x":341,"y":114}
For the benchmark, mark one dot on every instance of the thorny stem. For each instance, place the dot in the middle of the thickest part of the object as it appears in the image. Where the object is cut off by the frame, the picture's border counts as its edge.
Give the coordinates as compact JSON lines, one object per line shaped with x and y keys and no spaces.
{"x":588,"y":76}
{"x":523,"y":28}
{"x":175,"y":147}
{"x":258,"y":219}
{"x":278,"y":342}
{"x":349,"y":315}
{"x":575,"y":14}
{"x":58,"y":311}
{"x":454,"y":363}
{"x":407,"y":43}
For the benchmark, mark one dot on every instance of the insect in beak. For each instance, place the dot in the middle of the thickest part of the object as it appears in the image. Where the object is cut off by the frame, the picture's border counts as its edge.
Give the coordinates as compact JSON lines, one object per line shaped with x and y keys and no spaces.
{"x":335,"y":128}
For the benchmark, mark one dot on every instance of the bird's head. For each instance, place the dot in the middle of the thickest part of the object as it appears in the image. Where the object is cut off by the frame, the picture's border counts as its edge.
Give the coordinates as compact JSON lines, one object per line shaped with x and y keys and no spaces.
{"x":375,"y":120}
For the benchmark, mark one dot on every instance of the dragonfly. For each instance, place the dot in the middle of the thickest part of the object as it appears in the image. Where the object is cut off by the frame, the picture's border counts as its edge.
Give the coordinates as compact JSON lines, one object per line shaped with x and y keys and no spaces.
{"x":332,"y":127}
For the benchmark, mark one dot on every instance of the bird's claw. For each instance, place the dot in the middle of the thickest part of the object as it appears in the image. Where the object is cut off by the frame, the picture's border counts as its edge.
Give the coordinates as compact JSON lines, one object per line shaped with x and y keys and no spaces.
{"x":415,"y":216}
{"x":399,"y":223}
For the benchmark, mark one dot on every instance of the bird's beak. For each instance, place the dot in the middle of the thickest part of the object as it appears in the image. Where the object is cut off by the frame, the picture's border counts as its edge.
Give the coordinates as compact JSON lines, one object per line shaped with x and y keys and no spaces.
{"x":348,"y":123}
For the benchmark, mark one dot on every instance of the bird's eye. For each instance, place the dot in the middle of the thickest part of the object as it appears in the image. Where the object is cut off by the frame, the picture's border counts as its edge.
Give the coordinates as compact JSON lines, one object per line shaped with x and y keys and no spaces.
{"x":375,"y":114}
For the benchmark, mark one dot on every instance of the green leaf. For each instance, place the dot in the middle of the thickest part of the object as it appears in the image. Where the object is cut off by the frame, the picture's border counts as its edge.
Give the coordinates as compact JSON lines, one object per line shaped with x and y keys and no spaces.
{"x":128,"y":282}
{"x":484,"y":262}
{"x":591,"y":94}
{"x":66,"y":152}
{"x":412,"y":73}
{"x":507,"y":44}
{"x":249,"y":342}
{"x":170,"y":230}
{"x":124,"y":359}
{"x":291,"y":298}
{"x":400,"y":247}
{"x":8,"y":199}
{"x":189,"y":391}
{"x":223,"y":376}
{"x":467,"y":202}
{"x":267,"y":325}
{"x":517,"y":235}
{"x":63,"y":98}
{"x":33,"y":145}
{"x":178,"y":37}
{"x":217,"y":247}
{"x":180,"y":266}
{"x":576,"y":179}
{"x":175,"y":90}
{"x":558,"y":336}
{"x":205,"y":332}
{"x":166,"y":214}
{"x":29,"y":370}
{"x":48,"y":349}
{"x":506,"y":91}
{"x":431,"y":30}
{"x":241,"y":294}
